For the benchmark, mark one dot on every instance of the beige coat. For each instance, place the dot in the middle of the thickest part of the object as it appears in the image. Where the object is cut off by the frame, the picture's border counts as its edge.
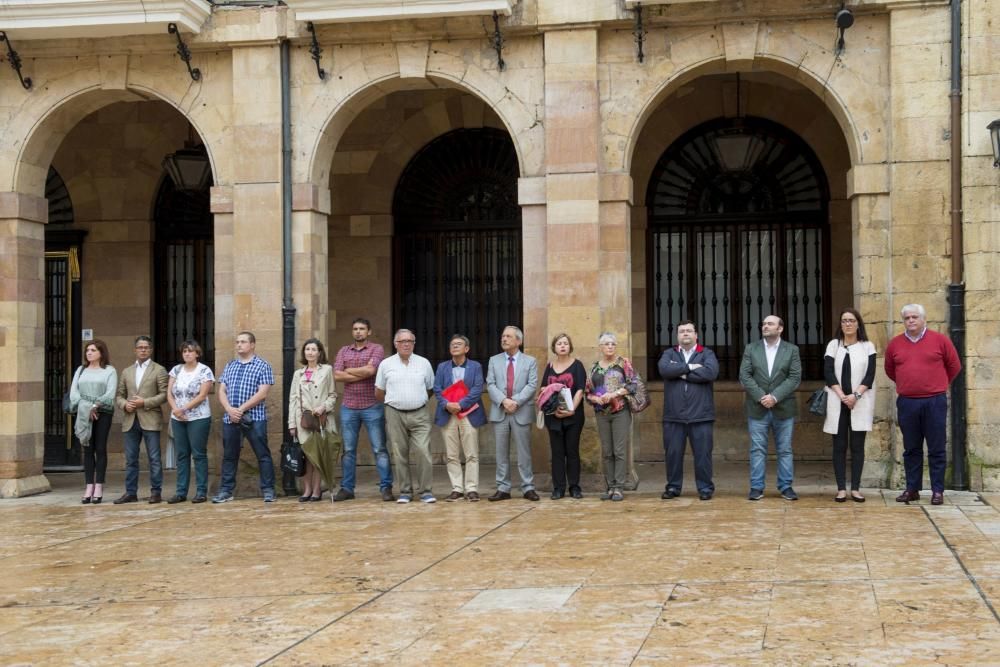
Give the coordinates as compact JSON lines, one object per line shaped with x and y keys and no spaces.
{"x":153,"y":392}
{"x":864,"y":410}
{"x":321,"y":391}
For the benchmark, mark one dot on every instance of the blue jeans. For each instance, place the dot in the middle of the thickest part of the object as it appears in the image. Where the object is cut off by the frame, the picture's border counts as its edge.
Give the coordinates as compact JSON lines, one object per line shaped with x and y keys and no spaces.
{"x":782,"y":429}
{"x":132,"y":438}
{"x":191,"y":441}
{"x":373,"y":419}
{"x":232,"y":440}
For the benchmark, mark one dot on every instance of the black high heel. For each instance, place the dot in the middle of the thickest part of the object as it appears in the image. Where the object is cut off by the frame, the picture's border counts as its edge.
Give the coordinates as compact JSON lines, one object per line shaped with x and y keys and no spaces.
{"x":86,"y":500}
{"x":96,"y":500}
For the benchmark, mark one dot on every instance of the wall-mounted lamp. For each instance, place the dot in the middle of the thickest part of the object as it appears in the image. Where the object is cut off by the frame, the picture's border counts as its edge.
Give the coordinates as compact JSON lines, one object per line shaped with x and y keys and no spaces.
{"x":189,"y":167}
{"x":845,"y":19}
{"x":994,"y":129}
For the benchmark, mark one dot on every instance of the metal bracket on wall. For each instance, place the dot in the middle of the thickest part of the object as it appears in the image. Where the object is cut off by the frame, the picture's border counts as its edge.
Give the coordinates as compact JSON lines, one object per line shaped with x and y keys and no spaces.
{"x":184,"y":52}
{"x":15,"y":61}
{"x":498,"y":42}
{"x":639,"y":32}
{"x":315,"y":51}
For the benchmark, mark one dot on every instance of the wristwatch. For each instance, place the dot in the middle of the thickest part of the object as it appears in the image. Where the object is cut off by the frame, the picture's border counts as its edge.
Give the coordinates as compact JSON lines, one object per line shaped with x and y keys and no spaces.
{"x":857,"y":395}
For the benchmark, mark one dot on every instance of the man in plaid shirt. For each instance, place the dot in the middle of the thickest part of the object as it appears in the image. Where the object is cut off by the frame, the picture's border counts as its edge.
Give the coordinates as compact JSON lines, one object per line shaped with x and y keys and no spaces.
{"x":355,"y":366}
{"x":243,"y":387}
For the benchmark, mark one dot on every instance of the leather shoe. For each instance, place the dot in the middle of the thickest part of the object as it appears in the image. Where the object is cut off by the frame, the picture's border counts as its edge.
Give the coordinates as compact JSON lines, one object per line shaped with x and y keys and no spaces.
{"x":472,"y":497}
{"x":557,"y":494}
{"x":704,"y":495}
{"x":455,"y":495}
{"x":127,"y":498}
{"x":576,"y":492}
{"x":937,"y":498}
{"x":387,"y":495}
{"x":908,"y":496}
{"x":175,"y":499}
{"x":669,"y":494}
{"x":531,"y":495}
{"x":155,"y":498}
{"x":499,"y":495}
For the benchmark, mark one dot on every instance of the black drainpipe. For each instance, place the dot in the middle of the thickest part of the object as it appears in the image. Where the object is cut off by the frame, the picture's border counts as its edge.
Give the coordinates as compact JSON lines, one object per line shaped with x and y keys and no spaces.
{"x":288,"y":481}
{"x":956,"y":290}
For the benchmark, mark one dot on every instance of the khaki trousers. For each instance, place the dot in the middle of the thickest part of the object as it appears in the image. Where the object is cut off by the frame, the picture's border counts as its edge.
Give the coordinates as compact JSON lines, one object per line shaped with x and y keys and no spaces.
{"x":461,"y":437}
{"x":410,"y":430}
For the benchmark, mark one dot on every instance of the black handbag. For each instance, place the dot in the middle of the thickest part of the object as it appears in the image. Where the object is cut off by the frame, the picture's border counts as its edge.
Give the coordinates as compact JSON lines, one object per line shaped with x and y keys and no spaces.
{"x":817,"y":402}
{"x":67,"y":403}
{"x":293,"y":460}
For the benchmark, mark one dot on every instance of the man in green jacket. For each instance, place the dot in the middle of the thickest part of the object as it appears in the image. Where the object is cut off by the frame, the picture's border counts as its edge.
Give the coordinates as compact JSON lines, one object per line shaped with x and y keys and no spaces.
{"x":770,"y":373}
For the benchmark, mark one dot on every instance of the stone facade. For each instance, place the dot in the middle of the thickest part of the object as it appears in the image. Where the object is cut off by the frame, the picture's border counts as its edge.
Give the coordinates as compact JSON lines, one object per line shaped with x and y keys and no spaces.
{"x":588,"y":123}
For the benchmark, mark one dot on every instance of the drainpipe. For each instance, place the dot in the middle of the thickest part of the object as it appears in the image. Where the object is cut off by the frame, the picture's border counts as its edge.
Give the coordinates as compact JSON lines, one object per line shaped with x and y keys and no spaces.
{"x":956,"y":290}
{"x":288,"y":481}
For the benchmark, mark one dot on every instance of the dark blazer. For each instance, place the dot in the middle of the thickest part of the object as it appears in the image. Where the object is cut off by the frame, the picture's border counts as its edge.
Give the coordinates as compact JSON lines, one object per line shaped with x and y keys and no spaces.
{"x":687,"y":394}
{"x":781,"y":383}
{"x":473,"y":380}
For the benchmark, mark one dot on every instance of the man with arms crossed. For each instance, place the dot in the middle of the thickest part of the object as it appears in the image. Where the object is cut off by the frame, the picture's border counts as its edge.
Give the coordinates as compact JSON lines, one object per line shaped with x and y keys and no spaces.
{"x":355,"y":366}
{"x":689,"y":372}
{"x":922,"y":363}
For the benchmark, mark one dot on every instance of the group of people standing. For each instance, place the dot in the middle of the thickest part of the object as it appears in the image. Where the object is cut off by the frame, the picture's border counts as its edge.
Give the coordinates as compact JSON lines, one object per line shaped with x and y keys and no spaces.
{"x":388,"y":396}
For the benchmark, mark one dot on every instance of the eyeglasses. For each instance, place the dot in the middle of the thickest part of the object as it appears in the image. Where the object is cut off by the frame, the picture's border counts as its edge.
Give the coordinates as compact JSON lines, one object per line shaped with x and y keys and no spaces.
{"x":408,"y":341}
{"x":846,"y":321}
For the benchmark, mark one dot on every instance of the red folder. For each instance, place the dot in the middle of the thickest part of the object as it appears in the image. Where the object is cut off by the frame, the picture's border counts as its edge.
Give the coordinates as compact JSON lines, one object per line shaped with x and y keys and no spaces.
{"x":457,"y":392}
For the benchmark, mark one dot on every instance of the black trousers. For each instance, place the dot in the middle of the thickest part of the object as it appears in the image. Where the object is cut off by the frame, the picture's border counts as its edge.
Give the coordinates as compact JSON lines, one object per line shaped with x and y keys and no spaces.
{"x":675,"y":434}
{"x":564,"y":440}
{"x":845,"y":438}
{"x":95,"y":457}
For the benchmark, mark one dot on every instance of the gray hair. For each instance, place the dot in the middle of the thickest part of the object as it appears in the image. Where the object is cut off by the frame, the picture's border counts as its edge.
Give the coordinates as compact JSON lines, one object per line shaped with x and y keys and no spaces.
{"x":460,"y":337}
{"x":607,"y":337}
{"x":399,"y":331}
{"x":913,"y":308}
{"x":517,"y":332}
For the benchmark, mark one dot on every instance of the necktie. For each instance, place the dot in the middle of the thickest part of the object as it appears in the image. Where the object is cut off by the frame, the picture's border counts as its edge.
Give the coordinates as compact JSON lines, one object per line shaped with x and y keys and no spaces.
{"x":510,"y":376}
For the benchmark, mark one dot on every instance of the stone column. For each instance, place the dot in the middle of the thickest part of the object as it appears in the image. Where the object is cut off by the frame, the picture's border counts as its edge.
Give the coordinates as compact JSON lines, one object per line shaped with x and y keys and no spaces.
{"x":310,"y":277}
{"x":248,"y":238}
{"x":22,"y":344}
{"x":871,"y":215}
{"x":587,"y":270}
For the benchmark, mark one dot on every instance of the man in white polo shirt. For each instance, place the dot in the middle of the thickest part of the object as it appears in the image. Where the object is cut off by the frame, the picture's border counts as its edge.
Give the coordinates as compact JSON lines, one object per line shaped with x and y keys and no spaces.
{"x":404,"y":382}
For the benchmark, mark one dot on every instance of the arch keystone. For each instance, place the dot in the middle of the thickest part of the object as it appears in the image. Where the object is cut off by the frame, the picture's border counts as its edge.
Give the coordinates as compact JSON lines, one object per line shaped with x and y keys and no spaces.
{"x":412,"y":58}
{"x":739,"y":43}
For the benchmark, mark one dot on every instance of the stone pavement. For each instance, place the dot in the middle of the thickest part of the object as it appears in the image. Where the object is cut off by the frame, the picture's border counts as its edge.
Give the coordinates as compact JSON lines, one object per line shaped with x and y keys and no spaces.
{"x":581,"y":582}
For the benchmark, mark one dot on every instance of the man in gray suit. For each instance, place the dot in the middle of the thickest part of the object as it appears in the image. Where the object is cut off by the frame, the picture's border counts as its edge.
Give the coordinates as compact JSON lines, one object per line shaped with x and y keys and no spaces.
{"x":770,"y":373}
{"x":511,"y":382}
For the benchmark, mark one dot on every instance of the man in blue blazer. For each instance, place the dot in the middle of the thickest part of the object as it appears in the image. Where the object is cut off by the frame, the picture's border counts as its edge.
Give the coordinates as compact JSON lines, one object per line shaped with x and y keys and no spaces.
{"x":511,"y":380}
{"x":459,"y":425}
{"x":770,"y":373}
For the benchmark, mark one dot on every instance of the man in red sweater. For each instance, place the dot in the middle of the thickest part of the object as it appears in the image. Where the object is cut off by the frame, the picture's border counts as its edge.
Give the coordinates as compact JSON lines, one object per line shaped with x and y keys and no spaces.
{"x":922,"y":363}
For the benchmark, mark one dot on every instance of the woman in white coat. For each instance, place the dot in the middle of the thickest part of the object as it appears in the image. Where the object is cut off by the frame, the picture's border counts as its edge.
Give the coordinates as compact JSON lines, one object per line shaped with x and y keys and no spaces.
{"x":849,"y":369}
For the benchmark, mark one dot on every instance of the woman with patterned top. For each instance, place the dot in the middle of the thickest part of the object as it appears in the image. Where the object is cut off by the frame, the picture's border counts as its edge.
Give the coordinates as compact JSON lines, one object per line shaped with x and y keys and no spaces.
{"x":612,"y":378}
{"x":190,"y":420}
{"x":565,"y":424}
{"x":92,"y":398}
{"x":313,"y":389}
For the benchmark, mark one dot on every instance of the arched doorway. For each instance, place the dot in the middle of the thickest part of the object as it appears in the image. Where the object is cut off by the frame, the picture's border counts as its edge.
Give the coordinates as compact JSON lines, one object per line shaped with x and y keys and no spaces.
{"x":738,"y":229}
{"x":457,"y":246}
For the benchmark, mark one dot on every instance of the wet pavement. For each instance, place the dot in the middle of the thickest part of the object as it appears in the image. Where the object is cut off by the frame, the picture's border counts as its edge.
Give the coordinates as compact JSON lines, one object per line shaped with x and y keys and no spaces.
{"x":574,"y":582}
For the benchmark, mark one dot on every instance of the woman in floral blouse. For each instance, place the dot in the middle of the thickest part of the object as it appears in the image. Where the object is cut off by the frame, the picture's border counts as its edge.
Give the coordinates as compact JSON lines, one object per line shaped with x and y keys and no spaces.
{"x":190,"y":420}
{"x":611,"y":380}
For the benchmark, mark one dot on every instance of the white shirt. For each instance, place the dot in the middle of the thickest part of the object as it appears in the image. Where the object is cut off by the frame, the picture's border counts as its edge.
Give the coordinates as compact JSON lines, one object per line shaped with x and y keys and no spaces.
{"x":771,"y":351}
{"x":140,"y":370}
{"x":687,"y":353}
{"x":405,"y":385}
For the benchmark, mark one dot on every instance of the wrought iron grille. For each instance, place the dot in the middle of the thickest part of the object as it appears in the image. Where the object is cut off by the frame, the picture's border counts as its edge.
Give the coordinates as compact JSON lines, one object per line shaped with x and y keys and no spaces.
{"x":59,"y":368}
{"x":184,"y":271}
{"x":457,"y":247}
{"x":738,"y":230}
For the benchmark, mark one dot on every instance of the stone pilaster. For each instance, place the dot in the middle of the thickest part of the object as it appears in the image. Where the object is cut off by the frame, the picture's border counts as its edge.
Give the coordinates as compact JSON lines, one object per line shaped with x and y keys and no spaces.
{"x":310,"y":266}
{"x":22,"y":344}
